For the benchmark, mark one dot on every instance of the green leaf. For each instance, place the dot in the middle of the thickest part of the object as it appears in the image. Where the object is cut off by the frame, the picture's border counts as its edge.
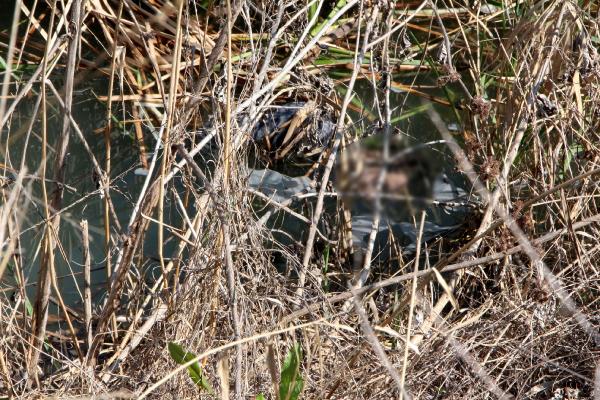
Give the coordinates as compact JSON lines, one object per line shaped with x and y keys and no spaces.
{"x":574,"y":149}
{"x":312,"y":10}
{"x":339,"y":5}
{"x":411,"y":113}
{"x":260,"y":397}
{"x":28,"y":306}
{"x":291,"y":383}
{"x":181,"y":357}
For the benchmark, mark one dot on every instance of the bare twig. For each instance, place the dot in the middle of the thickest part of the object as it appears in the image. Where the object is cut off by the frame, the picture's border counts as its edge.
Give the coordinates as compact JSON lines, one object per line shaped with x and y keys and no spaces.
{"x":358,"y":57}
{"x":87,"y":287}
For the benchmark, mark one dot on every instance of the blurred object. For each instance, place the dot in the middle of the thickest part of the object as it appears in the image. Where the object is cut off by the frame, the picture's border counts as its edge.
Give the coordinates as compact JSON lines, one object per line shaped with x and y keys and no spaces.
{"x":410,"y":184}
{"x":449,"y":211}
{"x":408,"y":172}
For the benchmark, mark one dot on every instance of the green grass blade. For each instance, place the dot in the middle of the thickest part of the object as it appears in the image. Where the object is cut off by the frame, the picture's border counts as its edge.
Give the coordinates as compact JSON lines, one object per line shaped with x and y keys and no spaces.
{"x":181,"y":357}
{"x":291,"y":383}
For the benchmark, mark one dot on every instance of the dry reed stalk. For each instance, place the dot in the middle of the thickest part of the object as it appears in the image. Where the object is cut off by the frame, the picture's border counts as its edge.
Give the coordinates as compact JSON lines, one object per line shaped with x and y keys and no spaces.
{"x":339,"y":132}
{"x":227,"y":152}
{"x":59,"y":163}
{"x":130,"y":245}
{"x":133,"y":337}
{"x":87,"y":287}
{"x":362,"y":275}
{"x":57,"y":48}
{"x":6,"y":375}
{"x":292,"y":62}
{"x":96,"y":166}
{"x":493,"y":200}
{"x":208,"y":65}
{"x":43,"y":288}
{"x":219,"y":232}
{"x":378,"y":349}
{"x":427,"y":272}
{"x":411,"y":307}
{"x":528,"y":248}
{"x":222,"y":348}
{"x":9,"y":59}
{"x":166,"y":139}
{"x":107,"y":159}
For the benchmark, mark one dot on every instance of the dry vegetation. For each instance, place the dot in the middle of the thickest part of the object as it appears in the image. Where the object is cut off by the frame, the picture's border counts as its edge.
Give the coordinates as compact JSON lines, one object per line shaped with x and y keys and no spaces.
{"x":513,"y":313}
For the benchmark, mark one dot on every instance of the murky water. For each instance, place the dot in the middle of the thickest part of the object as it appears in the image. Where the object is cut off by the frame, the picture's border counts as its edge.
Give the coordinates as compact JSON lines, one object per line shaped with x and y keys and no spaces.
{"x":82,"y":200}
{"x":426,"y":173}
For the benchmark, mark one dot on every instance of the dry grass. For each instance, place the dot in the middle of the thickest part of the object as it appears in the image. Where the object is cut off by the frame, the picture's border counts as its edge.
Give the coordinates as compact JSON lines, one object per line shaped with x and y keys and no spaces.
{"x":513,"y":313}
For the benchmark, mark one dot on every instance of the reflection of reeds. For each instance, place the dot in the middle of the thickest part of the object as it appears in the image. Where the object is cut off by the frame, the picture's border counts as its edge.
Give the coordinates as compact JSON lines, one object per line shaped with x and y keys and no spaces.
{"x":191,"y":82}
